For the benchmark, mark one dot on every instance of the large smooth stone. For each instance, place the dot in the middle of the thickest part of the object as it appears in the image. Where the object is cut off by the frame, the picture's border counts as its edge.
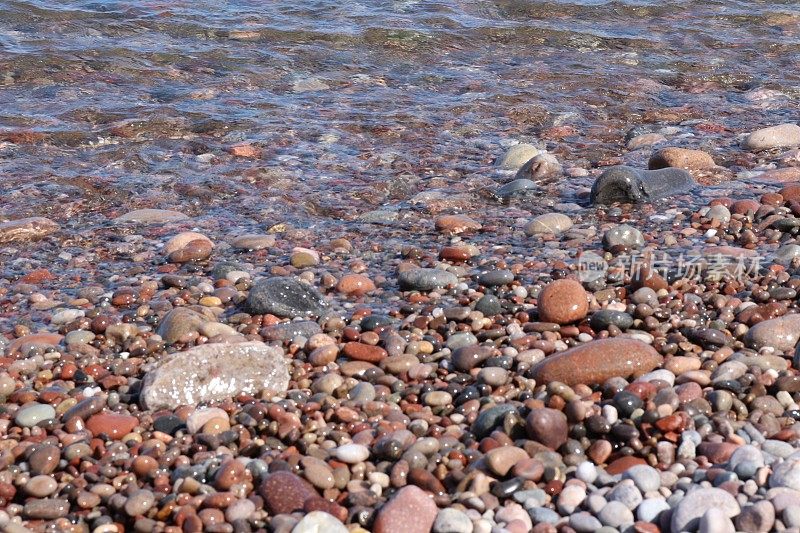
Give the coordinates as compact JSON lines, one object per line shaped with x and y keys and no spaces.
{"x":687,"y":514}
{"x":630,"y":185}
{"x":285,"y":297}
{"x":595,"y":362}
{"x":411,"y":510}
{"x":781,"y":333}
{"x":213,"y":372}
{"x":780,"y":136}
{"x":26,"y":229}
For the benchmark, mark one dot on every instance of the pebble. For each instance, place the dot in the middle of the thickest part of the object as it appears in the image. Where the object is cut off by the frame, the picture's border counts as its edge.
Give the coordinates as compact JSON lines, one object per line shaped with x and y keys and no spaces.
{"x":426,"y":279}
{"x":555,"y":223}
{"x":150,"y":216}
{"x":113,"y":425}
{"x":547,"y":426}
{"x":781,"y":333}
{"x":501,"y":460}
{"x":352,"y":453}
{"x":26,"y":229}
{"x":139,"y":502}
{"x":32,"y":414}
{"x":615,"y":514}
{"x":680,"y":158}
{"x":563,"y":301}
{"x":452,"y":521}
{"x":319,"y":522}
{"x":623,"y":235}
{"x":456,"y":224}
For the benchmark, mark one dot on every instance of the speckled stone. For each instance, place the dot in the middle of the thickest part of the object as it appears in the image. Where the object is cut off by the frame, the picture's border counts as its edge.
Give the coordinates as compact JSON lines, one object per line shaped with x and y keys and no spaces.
{"x":596,"y":361}
{"x":284,"y":492}
{"x":410,"y":510}
{"x":680,"y":158}
{"x":212,"y":372}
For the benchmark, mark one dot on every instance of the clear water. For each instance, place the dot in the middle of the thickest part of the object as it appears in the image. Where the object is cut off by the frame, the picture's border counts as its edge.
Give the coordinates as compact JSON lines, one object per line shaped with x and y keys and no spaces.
{"x":106,"y":106}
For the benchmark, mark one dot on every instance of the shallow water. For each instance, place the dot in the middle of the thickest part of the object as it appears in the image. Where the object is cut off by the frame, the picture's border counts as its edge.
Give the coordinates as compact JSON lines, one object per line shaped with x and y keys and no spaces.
{"x":356,"y":106}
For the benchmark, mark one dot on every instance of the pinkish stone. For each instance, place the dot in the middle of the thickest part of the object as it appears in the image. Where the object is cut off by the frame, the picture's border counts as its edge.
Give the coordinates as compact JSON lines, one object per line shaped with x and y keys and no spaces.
{"x":411,"y":510}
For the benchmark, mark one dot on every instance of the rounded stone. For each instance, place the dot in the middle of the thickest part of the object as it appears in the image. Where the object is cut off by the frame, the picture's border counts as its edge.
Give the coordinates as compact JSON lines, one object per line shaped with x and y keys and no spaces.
{"x":501,"y":460}
{"x":563,"y":301}
{"x":352,"y":453}
{"x":547,"y":426}
{"x":452,"y":521}
{"x":623,"y":235}
{"x":688,"y":512}
{"x":426,"y":279}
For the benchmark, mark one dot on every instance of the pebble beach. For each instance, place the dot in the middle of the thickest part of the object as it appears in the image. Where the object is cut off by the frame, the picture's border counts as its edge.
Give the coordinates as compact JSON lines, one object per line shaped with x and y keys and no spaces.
{"x":449,"y":267}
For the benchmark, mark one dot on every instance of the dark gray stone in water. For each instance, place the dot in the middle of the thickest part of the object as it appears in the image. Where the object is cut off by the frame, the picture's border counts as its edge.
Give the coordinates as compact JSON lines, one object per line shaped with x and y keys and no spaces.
{"x":489,"y":305}
{"x":516,"y":187}
{"x":285,"y":297}
{"x":288,"y":331}
{"x":631,"y":185}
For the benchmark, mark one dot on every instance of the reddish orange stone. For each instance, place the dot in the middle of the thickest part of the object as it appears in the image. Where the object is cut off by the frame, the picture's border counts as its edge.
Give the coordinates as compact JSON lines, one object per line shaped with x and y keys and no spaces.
{"x":596,"y":361}
{"x":623,"y":464}
{"x":111,"y":424}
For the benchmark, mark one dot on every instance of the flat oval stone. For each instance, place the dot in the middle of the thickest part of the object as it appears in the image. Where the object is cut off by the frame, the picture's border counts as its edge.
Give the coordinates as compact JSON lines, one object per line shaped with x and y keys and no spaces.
{"x":548,"y":223}
{"x":595,"y":362}
{"x":44,"y":459}
{"x":623,"y":235}
{"x":687,"y":514}
{"x":630,"y":185}
{"x":426,"y":279}
{"x":284,"y":492}
{"x":604,"y":318}
{"x":46,"y":509}
{"x":352,"y":453}
{"x":517,"y":186}
{"x":29,"y":415}
{"x":253,"y":241}
{"x":213,"y":372}
{"x":112,"y":424}
{"x":150,"y":216}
